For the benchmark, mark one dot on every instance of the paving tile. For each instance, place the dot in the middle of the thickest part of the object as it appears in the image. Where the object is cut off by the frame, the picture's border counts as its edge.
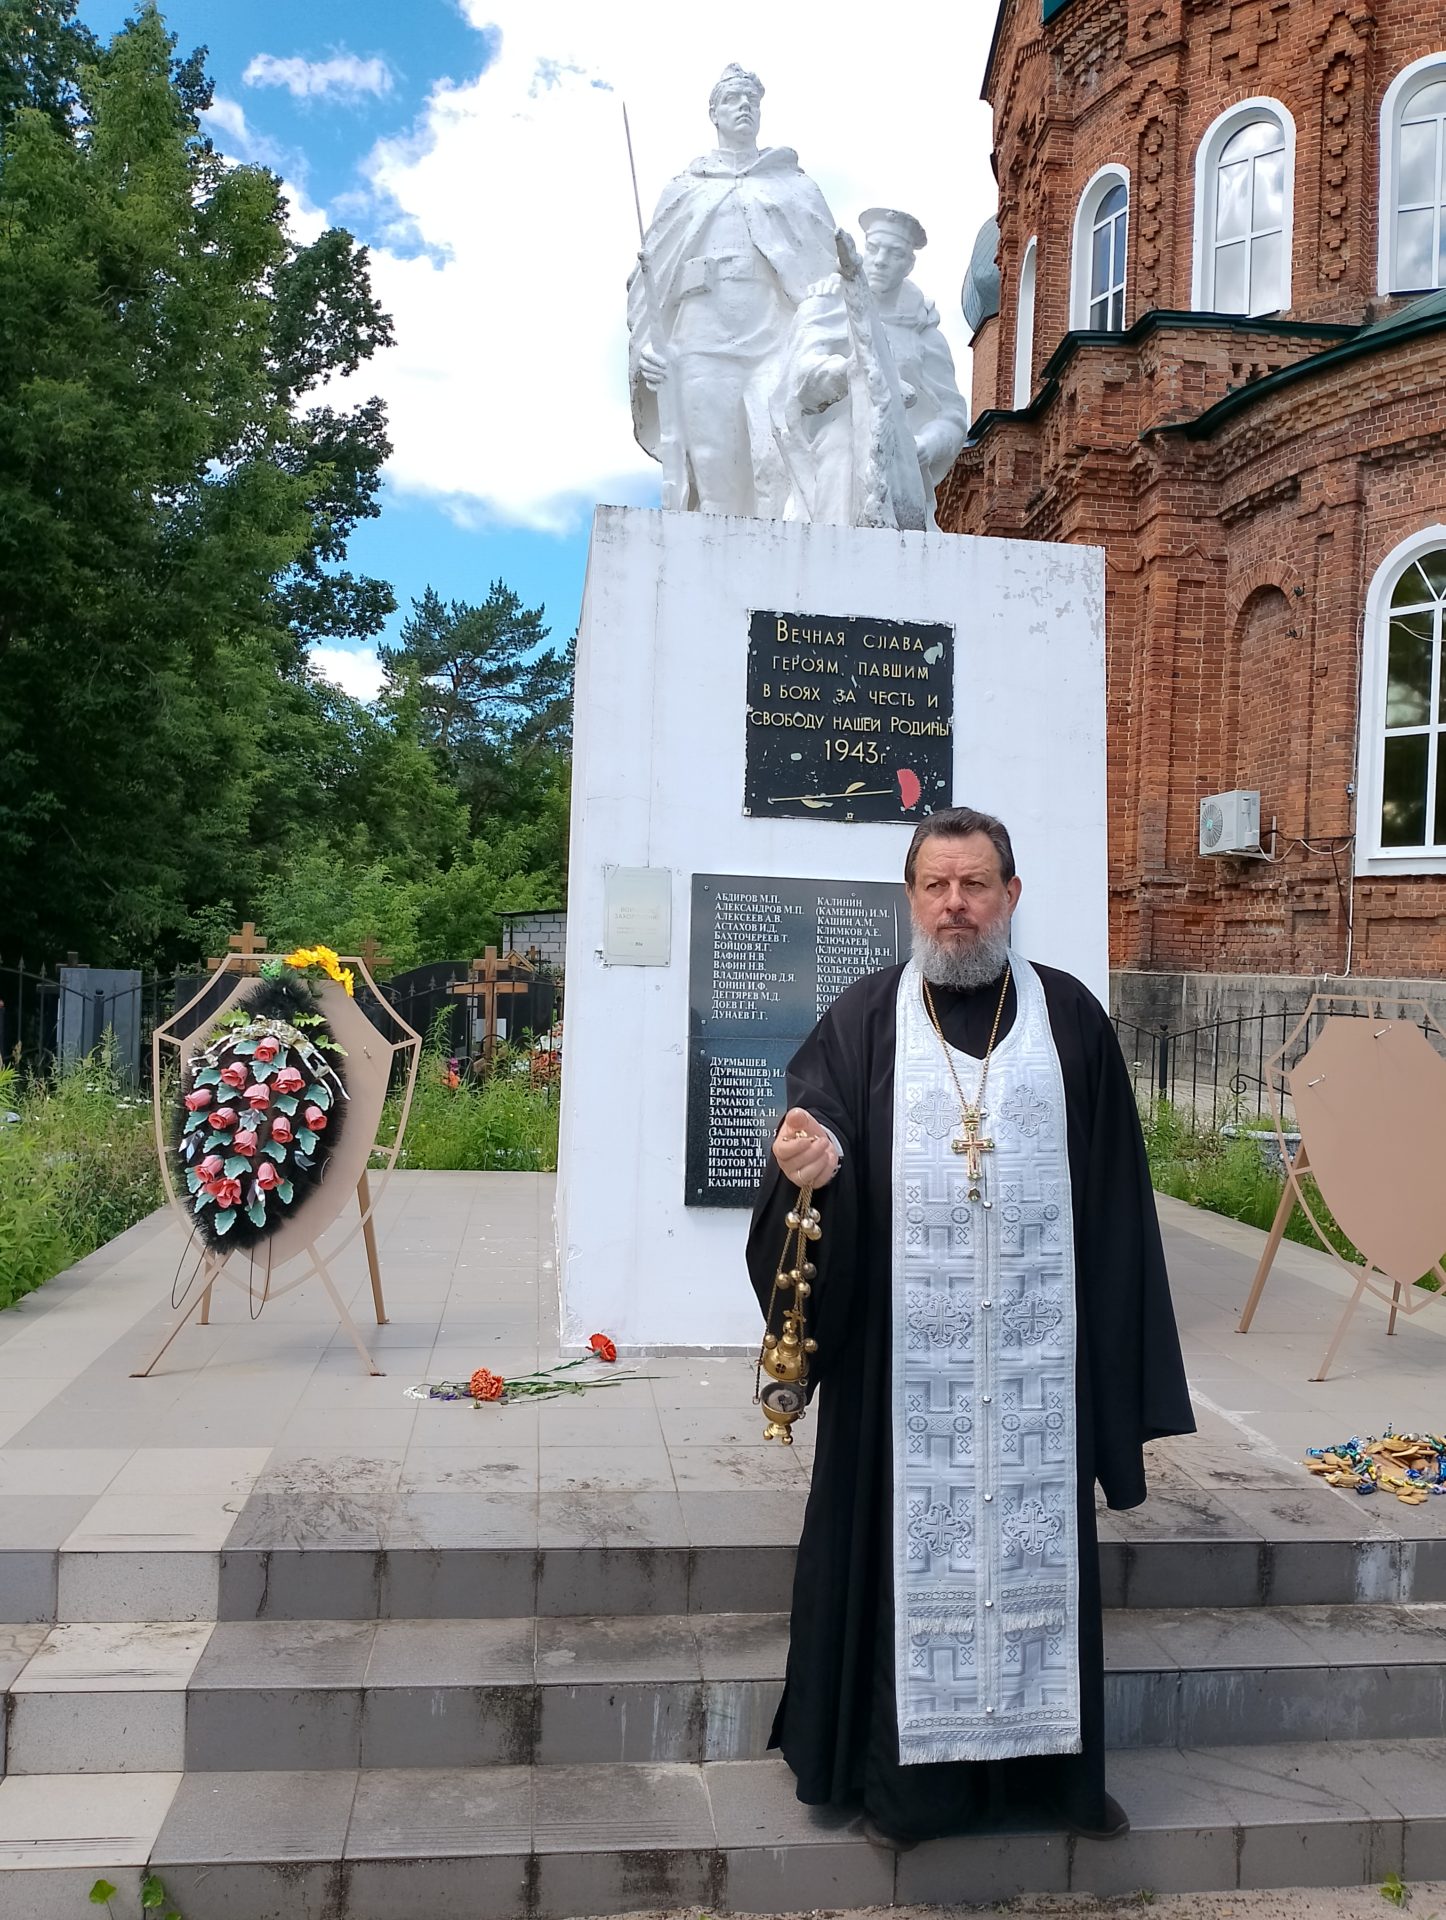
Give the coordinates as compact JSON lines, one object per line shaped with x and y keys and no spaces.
{"x":738,"y":1717}
{"x":429,"y":1726}
{"x":742,"y":1646}
{"x":127,"y":1522}
{"x":59,"y":1470}
{"x":311,"y":1520}
{"x":657,"y":1722}
{"x":320,"y":1583}
{"x":281,"y":1726}
{"x":113,"y":1657}
{"x":144,"y":1585}
{"x":189,"y":1470}
{"x":129,"y":1730}
{"x":740,"y":1579}
{"x":290,"y":1890}
{"x":991,"y":1868}
{"x":1169,"y":1860}
{"x":768,"y":1517}
{"x":624,"y":1579}
{"x":732,"y":1469}
{"x":256,"y":1816}
{"x":335,"y":1476}
{"x":578,"y":1813}
{"x":491,"y":1469}
{"x":28,"y":1585}
{"x":28,"y":1521}
{"x":443,"y":1814}
{"x":478,"y":1520}
{"x":286,"y":1653}
{"x":448,"y":1653}
{"x":446,"y":1584}
{"x":610,"y":1520}
{"x":578,"y":1650}
{"x":603,"y":1469}
{"x":96,"y":1821}
{"x":595,"y":1420}
{"x":1393,"y":1635}
{"x":1177,"y":1573}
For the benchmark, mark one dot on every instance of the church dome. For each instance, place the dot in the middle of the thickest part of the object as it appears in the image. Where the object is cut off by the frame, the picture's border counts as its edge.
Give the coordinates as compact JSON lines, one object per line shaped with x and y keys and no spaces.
{"x":981,"y":281}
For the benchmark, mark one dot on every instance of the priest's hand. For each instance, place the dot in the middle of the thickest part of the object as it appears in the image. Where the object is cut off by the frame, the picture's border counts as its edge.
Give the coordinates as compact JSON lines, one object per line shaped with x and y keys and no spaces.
{"x":804,"y":1152}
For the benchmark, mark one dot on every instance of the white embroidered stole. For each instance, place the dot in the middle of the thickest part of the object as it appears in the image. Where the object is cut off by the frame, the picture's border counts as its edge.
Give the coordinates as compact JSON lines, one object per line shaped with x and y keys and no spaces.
{"x":986,"y":1549}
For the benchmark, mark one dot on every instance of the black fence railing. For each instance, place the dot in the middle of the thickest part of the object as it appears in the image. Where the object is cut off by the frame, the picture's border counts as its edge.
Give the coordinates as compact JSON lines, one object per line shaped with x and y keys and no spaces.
{"x":1218,"y":1073}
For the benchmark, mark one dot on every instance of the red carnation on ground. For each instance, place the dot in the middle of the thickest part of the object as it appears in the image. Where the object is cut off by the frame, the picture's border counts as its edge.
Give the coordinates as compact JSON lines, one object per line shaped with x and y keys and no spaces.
{"x":198,"y":1101}
{"x":603,"y":1347}
{"x":281,"y":1129}
{"x":234,"y":1076}
{"x":223,"y":1119}
{"x":289,"y":1081}
{"x":315,"y":1119}
{"x":266,"y":1176}
{"x":267,"y":1049}
{"x":245,"y":1143}
{"x":486,"y":1386}
{"x":257,"y":1096}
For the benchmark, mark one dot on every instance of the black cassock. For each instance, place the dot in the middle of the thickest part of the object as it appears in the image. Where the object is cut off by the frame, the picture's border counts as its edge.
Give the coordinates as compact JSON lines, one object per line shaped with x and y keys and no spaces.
{"x":837,"y":1724}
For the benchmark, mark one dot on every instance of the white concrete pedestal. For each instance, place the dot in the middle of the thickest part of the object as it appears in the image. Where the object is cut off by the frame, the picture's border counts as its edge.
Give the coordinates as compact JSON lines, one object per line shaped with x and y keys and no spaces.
{"x":661,"y":719}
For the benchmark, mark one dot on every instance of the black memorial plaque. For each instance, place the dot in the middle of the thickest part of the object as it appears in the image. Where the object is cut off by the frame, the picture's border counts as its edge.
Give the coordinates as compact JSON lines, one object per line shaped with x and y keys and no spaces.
{"x":766,"y":958}
{"x":848,"y":719}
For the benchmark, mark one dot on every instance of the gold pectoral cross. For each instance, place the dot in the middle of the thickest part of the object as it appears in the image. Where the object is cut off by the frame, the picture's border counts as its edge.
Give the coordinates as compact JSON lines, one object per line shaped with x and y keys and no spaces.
{"x":972,"y":1145}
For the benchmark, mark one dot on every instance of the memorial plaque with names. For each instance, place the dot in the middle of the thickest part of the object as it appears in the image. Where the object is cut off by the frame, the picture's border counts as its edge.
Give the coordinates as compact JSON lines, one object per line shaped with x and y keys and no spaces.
{"x":767,"y":957}
{"x":848,"y":719}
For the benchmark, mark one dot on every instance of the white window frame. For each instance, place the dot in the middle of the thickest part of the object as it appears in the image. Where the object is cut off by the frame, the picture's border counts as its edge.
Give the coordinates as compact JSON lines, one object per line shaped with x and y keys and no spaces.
{"x":1096,"y":187}
{"x":1371,"y":856}
{"x":1216,"y":138}
{"x":1024,"y":307}
{"x":1405,"y":83}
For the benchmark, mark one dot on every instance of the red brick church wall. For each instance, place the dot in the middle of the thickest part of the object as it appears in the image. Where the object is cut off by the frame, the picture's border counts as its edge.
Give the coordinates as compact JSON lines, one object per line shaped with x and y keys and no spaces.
{"x":1237,"y":563}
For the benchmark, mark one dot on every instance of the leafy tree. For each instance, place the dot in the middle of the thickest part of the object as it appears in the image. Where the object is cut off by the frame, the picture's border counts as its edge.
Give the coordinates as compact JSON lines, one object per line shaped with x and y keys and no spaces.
{"x":174,"y":505}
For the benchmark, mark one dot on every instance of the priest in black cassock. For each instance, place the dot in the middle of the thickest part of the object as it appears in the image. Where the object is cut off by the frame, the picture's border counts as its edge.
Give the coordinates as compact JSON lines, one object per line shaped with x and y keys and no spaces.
{"x":995,"y":1336}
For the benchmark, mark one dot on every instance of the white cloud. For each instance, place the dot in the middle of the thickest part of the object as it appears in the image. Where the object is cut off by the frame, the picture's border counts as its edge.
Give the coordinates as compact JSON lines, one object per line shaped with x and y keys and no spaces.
{"x":356,"y":671}
{"x":344,"y":76}
{"x":508,"y":231}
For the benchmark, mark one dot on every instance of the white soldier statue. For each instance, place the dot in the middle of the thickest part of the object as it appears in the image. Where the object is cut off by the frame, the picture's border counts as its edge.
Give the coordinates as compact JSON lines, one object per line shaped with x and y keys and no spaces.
{"x":735,"y":244}
{"x":868,"y":414}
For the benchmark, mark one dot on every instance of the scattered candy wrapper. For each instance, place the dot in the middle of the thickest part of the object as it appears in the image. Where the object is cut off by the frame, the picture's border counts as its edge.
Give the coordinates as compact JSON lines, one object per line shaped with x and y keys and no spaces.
{"x":1410,"y":1465}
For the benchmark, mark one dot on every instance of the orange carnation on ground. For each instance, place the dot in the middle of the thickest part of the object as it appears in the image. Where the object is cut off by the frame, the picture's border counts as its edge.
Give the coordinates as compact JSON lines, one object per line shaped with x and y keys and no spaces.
{"x":487,"y":1386}
{"x":603,"y":1347}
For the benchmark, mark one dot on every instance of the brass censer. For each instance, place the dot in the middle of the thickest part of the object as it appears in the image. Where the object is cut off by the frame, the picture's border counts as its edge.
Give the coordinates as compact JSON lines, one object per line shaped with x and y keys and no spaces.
{"x":784,"y":1355}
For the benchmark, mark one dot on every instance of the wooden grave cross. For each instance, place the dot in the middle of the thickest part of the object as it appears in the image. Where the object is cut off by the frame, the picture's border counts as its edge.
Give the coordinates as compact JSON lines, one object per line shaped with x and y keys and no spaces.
{"x":486,"y":985}
{"x":371,"y":956}
{"x":249,"y":944}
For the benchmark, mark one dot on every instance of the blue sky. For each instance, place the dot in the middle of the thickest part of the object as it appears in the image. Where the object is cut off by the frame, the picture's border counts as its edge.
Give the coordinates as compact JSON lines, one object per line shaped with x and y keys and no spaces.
{"x":476,"y":147}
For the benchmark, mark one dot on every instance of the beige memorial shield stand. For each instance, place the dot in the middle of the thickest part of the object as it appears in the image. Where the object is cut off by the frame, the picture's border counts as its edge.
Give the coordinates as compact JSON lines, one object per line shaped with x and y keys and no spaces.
{"x":1369,"y":1096}
{"x":368,"y":1069}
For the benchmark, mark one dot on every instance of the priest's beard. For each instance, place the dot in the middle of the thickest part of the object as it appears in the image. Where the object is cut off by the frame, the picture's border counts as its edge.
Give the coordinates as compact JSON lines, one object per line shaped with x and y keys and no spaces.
{"x":964,"y":959}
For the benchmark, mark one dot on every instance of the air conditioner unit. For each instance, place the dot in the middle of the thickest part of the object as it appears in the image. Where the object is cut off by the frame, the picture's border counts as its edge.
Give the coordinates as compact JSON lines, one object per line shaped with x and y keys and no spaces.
{"x":1230,"y":823}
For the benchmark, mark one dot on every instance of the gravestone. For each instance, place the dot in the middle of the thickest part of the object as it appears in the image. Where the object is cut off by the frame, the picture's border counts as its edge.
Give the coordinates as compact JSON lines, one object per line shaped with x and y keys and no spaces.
{"x":667,"y":776}
{"x":94,"y":1002}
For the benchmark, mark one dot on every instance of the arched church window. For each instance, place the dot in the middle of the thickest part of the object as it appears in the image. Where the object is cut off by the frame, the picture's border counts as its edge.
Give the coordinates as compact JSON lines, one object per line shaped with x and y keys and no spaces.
{"x":1244,"y":184}
{"x":1024,"y":330}
{"x":1101,"y":236}
{"x":1402,"y":785}
{"x":1413,"y":196}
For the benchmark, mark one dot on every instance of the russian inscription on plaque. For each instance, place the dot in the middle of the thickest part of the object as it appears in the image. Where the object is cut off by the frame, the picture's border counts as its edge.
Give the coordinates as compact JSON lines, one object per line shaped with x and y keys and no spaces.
{"x":848,"y":719}
{"x":766,"y":958}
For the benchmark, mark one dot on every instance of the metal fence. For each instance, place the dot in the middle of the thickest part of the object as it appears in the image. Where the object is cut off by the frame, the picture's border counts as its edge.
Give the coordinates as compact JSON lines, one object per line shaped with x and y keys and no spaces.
{"x":1218,"y":1074}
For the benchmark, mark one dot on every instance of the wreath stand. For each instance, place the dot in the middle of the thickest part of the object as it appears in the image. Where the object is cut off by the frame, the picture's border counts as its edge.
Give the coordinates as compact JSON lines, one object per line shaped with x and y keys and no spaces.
{"x":369,"y":1059}
{"x":1369,"y":1097}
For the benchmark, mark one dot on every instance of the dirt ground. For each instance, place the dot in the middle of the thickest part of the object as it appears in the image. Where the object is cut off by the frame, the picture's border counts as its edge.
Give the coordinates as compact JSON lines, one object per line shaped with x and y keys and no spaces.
{"x":1423,"y":1901}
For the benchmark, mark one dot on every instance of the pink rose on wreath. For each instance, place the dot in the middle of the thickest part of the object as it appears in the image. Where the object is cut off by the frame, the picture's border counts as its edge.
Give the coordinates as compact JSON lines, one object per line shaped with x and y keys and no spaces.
{"x":289,"y":1081}
{"x":266,"y":1176}
{"x":198,"y":1101}
{"x":267,"y":1048}
{"x":245,"y":1142}
{"x":315,"y":1119}
{"x":210,"y":1167}
{"x":257,"y":1096}
{"x":281,"y":1129}
{"x":223,"y":1119}
{"x":234,"y":1076}
{"x":226,"y":1193}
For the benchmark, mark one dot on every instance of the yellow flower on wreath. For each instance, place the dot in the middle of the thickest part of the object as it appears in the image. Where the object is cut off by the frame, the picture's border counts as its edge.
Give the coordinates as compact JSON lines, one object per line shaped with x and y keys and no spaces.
{"x":326,"y":959}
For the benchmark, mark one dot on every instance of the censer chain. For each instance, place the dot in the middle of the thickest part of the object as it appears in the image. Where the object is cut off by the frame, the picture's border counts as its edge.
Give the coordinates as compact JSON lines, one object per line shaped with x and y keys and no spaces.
{"x":784,"y":1355}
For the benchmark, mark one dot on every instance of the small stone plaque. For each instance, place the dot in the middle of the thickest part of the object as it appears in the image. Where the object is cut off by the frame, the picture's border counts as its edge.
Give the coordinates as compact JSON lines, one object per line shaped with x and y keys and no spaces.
{"x":848,"y":718}
{"x":637,"y":917}
{"x":767,"y":957}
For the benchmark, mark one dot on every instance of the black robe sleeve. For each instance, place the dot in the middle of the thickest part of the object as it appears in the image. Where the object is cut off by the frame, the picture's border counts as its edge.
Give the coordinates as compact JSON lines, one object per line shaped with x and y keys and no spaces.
{"x":1137,"y":1388}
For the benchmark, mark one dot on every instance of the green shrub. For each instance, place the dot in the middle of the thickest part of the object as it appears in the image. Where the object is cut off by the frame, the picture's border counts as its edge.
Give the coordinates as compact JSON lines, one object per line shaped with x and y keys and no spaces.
{"x":502,"y":1124}
{"x":78,"y":1169}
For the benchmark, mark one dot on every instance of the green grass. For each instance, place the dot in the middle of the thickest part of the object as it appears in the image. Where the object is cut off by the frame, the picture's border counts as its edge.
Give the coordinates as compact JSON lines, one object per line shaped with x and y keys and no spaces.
{"x":1228,"y":1176}
{"x":500,"y":1125}
{"x":78,"y":1169}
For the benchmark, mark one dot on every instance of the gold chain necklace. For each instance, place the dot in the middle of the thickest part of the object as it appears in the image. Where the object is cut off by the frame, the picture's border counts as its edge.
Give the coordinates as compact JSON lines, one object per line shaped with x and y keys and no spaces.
{"x":971,"y":1115}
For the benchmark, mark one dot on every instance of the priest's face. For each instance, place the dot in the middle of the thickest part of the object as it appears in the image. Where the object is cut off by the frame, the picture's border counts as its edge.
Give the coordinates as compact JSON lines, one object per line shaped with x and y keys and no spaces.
{"x":961,"y":906}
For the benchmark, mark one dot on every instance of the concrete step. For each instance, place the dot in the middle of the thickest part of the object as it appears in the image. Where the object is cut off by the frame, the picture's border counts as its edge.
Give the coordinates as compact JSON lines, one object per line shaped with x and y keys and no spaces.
{"x":647,"y":1689}
{"x":614,"y":1553}
{"x":545,"y":1843}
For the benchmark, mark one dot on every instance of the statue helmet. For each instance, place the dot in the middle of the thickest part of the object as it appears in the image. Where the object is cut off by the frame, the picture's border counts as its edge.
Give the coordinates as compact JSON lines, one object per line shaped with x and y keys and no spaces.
{"x":734,"y":75}
{"x":904,"y":224}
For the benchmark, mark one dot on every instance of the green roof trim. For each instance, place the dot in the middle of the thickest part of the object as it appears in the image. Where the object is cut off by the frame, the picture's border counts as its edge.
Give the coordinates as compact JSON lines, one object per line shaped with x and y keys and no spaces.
{"x":1052,"y":7}
{"x":1160,"y":320}
{"x":1413,"y":322}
